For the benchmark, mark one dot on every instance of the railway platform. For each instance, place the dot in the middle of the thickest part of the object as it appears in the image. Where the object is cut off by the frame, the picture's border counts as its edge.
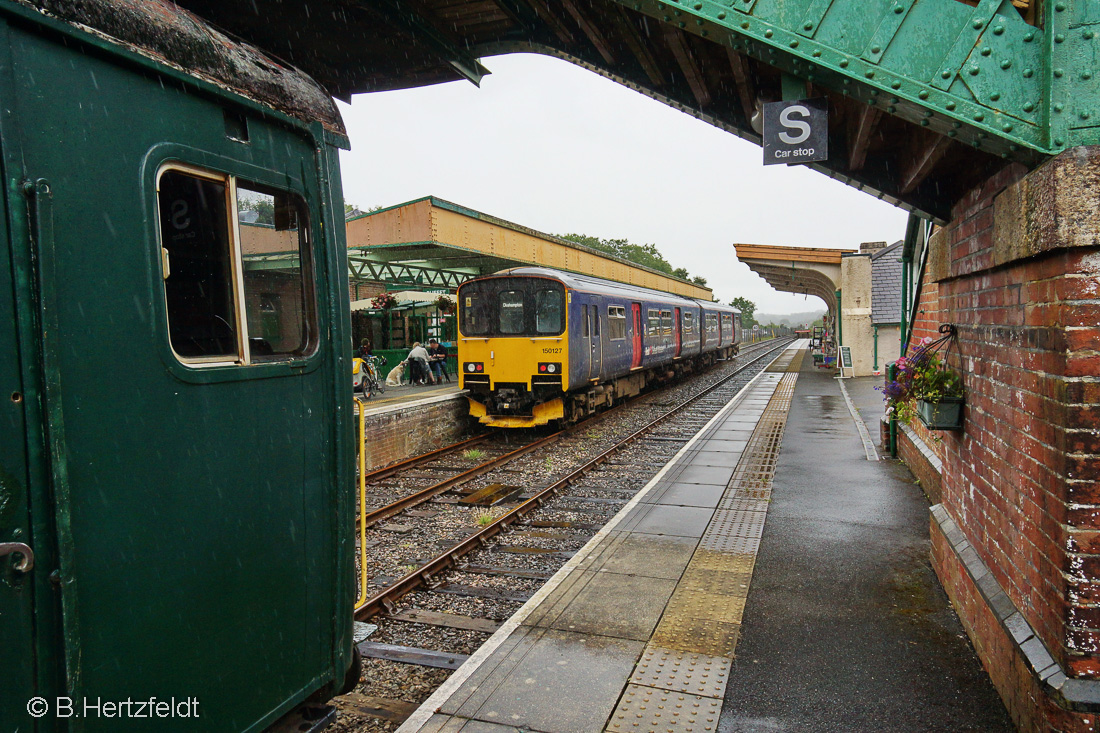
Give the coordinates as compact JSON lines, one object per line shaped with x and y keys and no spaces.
{"x":774,"y":575}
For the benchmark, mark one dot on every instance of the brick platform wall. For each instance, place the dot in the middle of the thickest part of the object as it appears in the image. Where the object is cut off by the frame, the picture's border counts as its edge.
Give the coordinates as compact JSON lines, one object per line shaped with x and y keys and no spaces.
{"x":408,"y":430}
{"x":1017,"y":272}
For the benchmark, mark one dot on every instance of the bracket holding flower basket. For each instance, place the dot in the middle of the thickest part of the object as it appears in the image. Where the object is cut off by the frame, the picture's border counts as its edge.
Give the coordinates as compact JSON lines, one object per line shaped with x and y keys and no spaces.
{"x":926,"y":386}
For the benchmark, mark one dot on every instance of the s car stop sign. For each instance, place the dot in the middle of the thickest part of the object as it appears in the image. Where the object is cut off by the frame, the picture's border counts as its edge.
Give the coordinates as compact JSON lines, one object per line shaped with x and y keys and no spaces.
{"x":796,"y":132}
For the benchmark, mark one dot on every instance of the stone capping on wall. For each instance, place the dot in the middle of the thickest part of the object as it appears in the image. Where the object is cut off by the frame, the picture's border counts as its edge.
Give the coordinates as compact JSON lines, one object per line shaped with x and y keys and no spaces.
{"x":929,"y":455}
{"x":403,"y":406}
{"x":1081,"y":696}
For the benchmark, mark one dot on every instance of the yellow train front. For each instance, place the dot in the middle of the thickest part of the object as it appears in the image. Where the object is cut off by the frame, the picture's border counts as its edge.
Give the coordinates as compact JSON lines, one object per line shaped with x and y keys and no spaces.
{"x":538,"y":345}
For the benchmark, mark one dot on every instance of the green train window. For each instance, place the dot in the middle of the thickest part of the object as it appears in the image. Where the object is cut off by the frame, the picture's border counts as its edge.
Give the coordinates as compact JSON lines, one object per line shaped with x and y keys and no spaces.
{"x":237,"y":269}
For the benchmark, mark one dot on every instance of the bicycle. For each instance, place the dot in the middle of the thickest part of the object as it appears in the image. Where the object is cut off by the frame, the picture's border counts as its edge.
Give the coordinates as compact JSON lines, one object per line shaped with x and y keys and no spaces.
{"x":373,"y":382}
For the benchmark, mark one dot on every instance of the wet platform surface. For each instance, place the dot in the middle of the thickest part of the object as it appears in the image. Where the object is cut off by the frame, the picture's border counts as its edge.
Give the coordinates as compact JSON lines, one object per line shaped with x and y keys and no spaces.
{"x":396,"y":396}
{"x":770,"y":578}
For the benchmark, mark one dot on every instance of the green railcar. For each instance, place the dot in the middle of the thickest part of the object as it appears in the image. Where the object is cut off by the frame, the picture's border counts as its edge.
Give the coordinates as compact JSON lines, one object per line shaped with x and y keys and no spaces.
{"x":175,"y":438}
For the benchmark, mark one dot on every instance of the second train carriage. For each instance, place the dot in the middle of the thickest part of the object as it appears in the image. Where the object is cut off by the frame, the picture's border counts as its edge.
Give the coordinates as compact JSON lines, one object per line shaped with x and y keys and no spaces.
{"x":538,"y":345}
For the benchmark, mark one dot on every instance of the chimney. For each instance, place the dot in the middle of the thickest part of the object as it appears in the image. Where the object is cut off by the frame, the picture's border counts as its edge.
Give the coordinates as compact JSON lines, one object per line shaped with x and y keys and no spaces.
{"x":868,"y":247}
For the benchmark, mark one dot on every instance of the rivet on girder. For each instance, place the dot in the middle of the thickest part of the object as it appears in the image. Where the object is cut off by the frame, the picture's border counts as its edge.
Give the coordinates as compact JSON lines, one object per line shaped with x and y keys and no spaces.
{"x":1085,"y":115}
{"x":995,"y":96}
{"x":1006,"y":127}
{"x":945,"y":74}
{"x":891,"y":109}
{"x":982,"y":135}
{"x":699,"y":21}
{"x":1059,"y":141}
{"x":721,"y":16}
{"x":876,"y":49}
{"x":896,"y":85}
{"x":745,"y":25}
{"x":1058,"y":107}
{"x":1059,"y":38}
{"x":807,"y":26}
{"x":950,"y":106}
{"x":698,"y":6}
{"x":1028,"y":73}
{"x":1086,"y":75}
{"x":769,"y":33}
{"x":874,"y":92}
{"x":986,"y":51}
{"x":1058,"y":73}
{"x":1014,"y":147}
{"x":816,"y":54}
{"x":952,"y":133}
{"x":844,"y":63}
{"x":1088,"y":35}
{"x":704,"y":33}
{"x":978,"y":117}
{"x":978,"y":23}
{"x":899,"y":9}
{"x":956,"y":124}
{"x":923,"y":94}
{"x":1059,"y":7}
{"x":1029,"y":36}
{"x":794,"y":44}
{"x":924,"y":123}
{"x":681,"y":24}
{"x":870,"y":74}
{"x":974,"y":70}
{"x":998,"y":30}
{"x":1029,"y":107}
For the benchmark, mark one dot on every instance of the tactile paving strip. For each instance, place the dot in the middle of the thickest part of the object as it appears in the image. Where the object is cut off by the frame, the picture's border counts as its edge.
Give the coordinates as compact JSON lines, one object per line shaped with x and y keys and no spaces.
{"x":661,"y":711}
{"x":702,"y":621}
{"x":669,"y":669}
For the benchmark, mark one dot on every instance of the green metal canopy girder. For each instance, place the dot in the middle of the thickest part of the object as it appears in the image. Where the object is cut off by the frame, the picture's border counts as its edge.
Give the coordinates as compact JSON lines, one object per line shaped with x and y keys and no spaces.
{"x":980,"y":74}
{"x":397,"y":273}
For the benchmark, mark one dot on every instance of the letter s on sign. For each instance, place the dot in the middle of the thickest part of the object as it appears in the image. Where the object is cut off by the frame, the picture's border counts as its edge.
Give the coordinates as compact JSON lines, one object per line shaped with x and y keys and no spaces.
{"x":785,"y":119}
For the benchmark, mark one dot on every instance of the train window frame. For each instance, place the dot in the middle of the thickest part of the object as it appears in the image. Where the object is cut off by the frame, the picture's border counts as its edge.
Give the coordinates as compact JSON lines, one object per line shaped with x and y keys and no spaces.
{"x":653,"y":322}
{"x":616,"y":323}
{"x":586,"y":329}
{"x":561,"y":304}
{"x":688,"y":320}
{"x":522,"y":314}
{"x":666,"y":322}
{"x":243,"y":355}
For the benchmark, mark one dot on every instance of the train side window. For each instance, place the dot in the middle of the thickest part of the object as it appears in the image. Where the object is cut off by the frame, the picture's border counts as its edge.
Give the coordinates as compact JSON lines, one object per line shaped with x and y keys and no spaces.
{"x":653,"y":323}
{"x":666,"y":322}
{"x":237,"y":269}
{"x":689,"y":322}
{"x":616,"y":322}
{"x":548,"y":311}
{"x":198,"y":282}
{"x":585,"y":328}
{"x":511,"y":311}
{"x":277,"y":266}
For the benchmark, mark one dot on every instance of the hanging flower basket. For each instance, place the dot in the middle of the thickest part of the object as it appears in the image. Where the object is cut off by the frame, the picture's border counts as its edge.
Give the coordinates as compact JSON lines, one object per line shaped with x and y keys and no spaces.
{"x":945,"y":414}
{"x":385,"y":302}
{"x":444,"y":304}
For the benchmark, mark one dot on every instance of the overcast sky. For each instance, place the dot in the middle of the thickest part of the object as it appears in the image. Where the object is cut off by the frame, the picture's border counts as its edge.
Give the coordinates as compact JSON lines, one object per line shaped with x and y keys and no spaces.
{"x":559,"y":149}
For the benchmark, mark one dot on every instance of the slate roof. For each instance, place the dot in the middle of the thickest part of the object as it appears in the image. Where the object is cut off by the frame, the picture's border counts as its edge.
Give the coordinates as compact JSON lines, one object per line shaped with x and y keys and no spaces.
{"x":886,"y":284}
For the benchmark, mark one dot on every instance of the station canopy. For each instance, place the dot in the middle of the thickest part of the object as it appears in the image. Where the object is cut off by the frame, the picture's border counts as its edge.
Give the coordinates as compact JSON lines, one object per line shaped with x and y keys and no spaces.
{"x":800,"y":270}
{"x":926,"y":99}
{"x":431,"y":244}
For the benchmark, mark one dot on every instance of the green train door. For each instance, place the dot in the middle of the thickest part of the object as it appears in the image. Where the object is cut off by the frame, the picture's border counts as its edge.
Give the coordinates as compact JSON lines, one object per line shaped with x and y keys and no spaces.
{"x":190,"y":392}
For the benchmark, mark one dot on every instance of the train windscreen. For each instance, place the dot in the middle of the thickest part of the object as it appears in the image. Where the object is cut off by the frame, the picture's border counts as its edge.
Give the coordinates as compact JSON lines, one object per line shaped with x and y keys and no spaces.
{"x":512,"y":306}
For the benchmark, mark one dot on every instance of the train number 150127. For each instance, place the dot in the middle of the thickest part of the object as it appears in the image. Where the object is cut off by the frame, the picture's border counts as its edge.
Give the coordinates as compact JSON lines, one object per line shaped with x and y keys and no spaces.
{"x":550,"y":350}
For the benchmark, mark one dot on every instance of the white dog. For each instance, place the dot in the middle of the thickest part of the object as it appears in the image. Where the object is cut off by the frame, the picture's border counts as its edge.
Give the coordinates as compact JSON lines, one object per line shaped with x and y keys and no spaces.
{"x":393,"y":379}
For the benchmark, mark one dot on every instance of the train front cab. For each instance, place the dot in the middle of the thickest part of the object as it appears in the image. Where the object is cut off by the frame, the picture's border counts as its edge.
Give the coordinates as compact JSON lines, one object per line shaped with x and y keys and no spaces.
{"x":175,"y":461}
{"x":514,"y":349}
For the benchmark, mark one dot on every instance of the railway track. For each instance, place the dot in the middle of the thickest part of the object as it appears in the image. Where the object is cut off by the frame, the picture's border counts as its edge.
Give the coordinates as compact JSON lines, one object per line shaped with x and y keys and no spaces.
{"x":565,"y":486}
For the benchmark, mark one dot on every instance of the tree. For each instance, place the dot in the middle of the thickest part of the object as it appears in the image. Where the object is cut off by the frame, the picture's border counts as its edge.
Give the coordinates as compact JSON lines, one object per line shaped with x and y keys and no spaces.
{"x":747,"y":308}
{"x":699,"y":280}
{"x":646,"y":255}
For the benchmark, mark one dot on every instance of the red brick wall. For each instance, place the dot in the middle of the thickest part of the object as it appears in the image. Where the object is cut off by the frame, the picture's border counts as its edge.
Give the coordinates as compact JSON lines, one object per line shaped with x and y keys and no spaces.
{"x":1021,"y":479}
{"x":926,"y":323}
{"x":410,"y":430}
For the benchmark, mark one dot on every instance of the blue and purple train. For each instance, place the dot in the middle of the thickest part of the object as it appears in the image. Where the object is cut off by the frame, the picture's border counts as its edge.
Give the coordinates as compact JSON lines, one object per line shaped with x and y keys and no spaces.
{"x":537,"y":345}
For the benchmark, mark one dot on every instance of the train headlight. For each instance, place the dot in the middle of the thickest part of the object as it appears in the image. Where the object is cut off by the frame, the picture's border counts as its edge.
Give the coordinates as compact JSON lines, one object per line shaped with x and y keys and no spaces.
{"x":474,"y":367}
{"x":547,"y":367}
